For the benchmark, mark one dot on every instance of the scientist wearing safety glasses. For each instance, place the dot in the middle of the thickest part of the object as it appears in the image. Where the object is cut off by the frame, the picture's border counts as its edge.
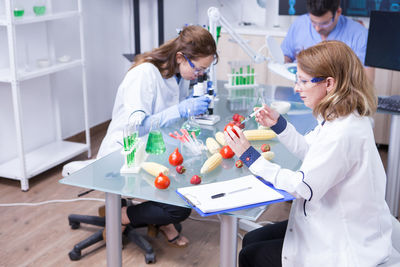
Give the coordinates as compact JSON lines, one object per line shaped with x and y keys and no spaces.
{"x":339,"y":217}
{"x":324,"y":21}
{"x":157,"y":87}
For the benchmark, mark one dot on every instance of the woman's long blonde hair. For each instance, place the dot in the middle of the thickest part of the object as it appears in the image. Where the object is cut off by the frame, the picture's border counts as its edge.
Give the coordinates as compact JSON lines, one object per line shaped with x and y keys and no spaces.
{"x":193,"y":41}
{"x":352,"y":89}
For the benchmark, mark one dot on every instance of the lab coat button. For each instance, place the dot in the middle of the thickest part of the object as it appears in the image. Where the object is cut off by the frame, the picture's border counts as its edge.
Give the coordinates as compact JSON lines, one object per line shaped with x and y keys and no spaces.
{"x":285,"y":258}
{"x":291,"y":230}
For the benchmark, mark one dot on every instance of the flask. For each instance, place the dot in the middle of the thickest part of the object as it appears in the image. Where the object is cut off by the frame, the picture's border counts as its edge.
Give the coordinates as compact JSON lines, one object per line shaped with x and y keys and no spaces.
{"x":155,"y":142}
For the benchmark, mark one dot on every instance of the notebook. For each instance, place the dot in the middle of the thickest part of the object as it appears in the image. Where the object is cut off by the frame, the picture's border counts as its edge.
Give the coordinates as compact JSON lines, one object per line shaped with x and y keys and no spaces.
{"x":235,"y":194}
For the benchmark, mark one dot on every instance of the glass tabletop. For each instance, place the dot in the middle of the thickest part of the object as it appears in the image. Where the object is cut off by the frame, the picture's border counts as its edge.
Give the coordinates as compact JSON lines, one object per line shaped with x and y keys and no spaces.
{"x":104,"y":173}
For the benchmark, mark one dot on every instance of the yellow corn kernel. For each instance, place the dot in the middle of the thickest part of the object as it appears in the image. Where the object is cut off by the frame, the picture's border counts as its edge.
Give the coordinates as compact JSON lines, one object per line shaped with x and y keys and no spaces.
{"x":269,"y":155}
{"x":212,"y":145}
{"x":219,"y":136}
{"x":254,"y":135}
{"x":211,"y":163}
{"x":154,"y":168}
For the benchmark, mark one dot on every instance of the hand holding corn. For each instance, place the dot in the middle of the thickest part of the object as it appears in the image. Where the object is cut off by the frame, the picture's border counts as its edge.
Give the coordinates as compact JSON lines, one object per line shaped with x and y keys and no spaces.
{"x":267,"y":117}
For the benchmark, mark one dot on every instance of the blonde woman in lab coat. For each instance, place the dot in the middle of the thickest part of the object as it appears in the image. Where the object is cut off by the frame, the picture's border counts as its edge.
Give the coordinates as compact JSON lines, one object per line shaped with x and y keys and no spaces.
{"x":156,"y":87}
{"x":339,"y":217}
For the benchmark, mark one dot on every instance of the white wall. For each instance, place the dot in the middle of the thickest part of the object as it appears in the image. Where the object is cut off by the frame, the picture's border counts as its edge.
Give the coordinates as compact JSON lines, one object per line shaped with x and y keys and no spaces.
{"x":107,"y":36}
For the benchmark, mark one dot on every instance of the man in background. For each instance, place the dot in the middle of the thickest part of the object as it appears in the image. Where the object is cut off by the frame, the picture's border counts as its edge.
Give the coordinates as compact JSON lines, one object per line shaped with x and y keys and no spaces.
{"x":325,"y":21}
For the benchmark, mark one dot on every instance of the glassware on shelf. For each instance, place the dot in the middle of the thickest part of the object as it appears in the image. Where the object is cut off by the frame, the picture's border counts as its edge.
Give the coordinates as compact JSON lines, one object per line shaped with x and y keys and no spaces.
{"x":39,"y":7}
{"x":191,"y":125}
{"x":19,"y":12}
{"x":155,"y":142}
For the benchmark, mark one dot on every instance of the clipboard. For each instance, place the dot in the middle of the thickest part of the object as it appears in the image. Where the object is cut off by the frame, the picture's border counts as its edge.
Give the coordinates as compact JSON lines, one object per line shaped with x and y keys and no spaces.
{"x":241,"y":197}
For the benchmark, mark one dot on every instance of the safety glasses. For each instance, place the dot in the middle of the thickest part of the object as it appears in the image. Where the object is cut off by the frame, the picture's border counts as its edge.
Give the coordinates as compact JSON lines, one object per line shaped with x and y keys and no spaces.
{"x":325,"y":24}
{"x":302,"y":83}
{"x":197,"y":71}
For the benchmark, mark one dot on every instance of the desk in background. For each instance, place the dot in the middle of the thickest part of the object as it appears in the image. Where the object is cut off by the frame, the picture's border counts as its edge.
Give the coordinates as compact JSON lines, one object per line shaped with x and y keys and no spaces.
{"x":104,"y":175}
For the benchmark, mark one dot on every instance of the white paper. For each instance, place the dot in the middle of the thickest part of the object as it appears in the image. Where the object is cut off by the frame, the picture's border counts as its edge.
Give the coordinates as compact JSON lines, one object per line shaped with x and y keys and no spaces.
{"x":200,"y":195}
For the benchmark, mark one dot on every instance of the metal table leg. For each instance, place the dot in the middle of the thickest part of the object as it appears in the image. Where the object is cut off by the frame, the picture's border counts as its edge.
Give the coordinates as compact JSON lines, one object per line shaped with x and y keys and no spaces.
{"x":113,"y":233}
{"x":393,"y":171}
{"x":228,"y":241}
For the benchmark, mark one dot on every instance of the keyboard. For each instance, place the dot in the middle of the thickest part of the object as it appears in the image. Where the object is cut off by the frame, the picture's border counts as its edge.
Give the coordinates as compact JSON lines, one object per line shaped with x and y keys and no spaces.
{"x":391,"y":103}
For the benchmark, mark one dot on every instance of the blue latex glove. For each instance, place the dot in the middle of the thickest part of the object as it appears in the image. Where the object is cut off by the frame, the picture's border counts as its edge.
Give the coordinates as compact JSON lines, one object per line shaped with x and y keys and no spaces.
{"x":196,"y":106}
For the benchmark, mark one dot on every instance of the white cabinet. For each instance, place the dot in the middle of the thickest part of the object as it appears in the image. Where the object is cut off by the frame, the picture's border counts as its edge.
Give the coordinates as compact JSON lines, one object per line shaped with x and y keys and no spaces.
{"x":28,"y":37}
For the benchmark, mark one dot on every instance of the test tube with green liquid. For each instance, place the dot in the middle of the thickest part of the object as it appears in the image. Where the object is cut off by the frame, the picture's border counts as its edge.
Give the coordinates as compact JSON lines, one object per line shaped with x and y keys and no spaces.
{"x":252,"y":75}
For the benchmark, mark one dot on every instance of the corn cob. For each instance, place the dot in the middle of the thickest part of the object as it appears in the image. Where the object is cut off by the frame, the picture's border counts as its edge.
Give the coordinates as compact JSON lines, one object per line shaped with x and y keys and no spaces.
{"x":212,"y":145}
{"x":269,"y":155}
{"x":219,"y":136}
{"x":154,"y":168}
{"x":253,"y":135}
{"x":211,"y":163}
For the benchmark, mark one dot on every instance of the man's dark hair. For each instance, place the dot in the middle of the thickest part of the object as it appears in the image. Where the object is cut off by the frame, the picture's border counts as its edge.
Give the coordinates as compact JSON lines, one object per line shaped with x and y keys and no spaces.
{"x":320,"y":7}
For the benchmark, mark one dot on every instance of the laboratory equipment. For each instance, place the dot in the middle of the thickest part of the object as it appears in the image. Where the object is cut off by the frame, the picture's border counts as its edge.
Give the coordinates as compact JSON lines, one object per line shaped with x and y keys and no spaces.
{"x":19,"y":12}
{"x":39,"y":7}
{"x":191,"y":125}
{"x":133,"y":150}
{"x":155,"y":142}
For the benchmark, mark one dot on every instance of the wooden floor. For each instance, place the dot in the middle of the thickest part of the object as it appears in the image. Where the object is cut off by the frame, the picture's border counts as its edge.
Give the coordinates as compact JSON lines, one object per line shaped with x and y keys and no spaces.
{"x":40,"y":235}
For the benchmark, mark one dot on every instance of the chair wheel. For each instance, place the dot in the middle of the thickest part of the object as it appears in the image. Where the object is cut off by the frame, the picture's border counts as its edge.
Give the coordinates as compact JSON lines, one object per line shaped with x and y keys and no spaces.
{"x":75,"y":225}
{"x":74,"y":255}
{"x":150,"y":258}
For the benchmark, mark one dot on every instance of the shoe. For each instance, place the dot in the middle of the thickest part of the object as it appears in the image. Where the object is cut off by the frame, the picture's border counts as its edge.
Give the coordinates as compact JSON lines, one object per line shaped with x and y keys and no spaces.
{"x":172,"y":242}
{"x":102,"y":209}
{"x":153,"y":230}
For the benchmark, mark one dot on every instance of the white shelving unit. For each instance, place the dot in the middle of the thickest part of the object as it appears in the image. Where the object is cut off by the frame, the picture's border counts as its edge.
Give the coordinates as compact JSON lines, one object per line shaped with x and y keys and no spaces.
{"x":27,"y":164}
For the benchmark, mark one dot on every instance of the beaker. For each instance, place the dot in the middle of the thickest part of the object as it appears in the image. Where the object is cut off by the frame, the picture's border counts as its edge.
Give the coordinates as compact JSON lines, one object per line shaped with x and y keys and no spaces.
{"x":155,"y":142}
{"x":191,"y":125}
{"x":39,"y":7}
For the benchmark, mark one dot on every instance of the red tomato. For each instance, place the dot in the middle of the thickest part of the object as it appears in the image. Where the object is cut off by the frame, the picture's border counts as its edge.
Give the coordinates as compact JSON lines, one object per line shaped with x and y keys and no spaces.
{"x":175,"y":158}
{"x":235,"y":117}
{"x":226,"y":152}
{"x":162,"y":181}
{"x":231,"y":125}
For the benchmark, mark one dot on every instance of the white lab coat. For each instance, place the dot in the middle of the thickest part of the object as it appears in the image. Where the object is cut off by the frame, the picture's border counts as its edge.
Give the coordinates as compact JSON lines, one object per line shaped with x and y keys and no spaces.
{"x":340,"y":217}
{"x":143,"y":88}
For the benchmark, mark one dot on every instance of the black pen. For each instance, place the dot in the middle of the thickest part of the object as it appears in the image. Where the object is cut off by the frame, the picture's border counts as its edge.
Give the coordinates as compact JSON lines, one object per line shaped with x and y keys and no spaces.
{"x":224,"y":194}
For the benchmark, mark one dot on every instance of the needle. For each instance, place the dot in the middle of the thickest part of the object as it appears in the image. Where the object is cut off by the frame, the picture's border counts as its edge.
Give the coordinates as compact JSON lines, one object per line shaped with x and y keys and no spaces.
{"x":252,"y":115}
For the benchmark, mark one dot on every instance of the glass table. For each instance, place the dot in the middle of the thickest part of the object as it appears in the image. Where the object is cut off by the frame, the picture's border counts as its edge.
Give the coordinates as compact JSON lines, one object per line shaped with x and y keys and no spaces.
{"x":104,"y":173}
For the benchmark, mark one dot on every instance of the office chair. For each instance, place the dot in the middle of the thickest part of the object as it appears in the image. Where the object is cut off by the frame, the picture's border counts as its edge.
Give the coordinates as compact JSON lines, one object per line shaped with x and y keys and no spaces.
{"x":75,"y":220}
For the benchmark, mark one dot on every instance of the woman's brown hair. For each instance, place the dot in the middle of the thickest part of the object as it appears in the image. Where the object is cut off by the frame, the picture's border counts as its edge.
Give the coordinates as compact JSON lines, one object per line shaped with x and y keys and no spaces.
{"x":352,"y":89}
{"x":193,"y":41}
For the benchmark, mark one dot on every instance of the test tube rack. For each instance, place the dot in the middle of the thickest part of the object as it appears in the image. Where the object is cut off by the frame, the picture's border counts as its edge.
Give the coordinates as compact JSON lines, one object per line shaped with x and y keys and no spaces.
{"x":139,"y":157}
{"x":242,"y":79}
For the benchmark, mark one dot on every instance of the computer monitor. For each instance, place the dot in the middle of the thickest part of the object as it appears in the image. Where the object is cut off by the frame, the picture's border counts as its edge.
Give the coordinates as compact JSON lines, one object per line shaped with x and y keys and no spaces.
{"x":383,"y":46}
{"x":357,"y":8}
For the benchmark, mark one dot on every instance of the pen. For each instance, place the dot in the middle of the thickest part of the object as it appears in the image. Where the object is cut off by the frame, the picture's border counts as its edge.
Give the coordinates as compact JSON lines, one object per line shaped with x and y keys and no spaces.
{"x":224,"y":194}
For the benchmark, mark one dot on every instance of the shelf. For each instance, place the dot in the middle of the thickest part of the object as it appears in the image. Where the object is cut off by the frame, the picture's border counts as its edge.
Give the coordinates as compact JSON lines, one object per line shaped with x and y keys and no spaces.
{"x":24,"y":75}
{"x":35,"y":19}
{"x":42,"y":159}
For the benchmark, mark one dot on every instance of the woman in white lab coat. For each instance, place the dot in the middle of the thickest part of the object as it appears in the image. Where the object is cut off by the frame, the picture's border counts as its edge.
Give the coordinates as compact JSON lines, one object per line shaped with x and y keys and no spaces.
{"x":156,"y":87}
{"x":339,"y":217}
